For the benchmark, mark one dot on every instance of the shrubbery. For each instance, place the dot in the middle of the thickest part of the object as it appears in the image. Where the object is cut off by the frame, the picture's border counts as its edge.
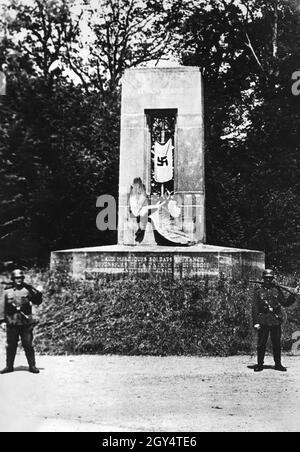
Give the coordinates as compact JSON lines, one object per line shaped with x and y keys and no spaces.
{"x":149,"y":317}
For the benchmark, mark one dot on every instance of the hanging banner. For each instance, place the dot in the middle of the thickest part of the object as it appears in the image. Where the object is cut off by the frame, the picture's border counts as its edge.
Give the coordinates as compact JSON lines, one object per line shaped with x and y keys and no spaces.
{"x":163,"y":162}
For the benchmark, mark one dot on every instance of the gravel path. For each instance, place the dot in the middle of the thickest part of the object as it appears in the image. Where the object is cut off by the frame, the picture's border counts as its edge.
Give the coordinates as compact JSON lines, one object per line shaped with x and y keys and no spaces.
{"x":114,"y":393}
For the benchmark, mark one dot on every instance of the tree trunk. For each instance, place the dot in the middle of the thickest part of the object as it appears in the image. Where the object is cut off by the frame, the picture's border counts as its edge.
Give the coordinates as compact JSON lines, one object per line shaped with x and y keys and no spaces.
{"x":275,"y":29}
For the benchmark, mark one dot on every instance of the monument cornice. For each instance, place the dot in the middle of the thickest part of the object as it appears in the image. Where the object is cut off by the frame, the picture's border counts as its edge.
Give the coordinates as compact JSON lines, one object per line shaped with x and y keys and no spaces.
{"x":165,"y":69}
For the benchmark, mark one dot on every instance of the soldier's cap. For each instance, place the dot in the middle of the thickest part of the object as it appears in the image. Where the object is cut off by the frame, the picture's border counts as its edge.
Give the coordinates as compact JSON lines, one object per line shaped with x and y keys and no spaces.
{"x":268,"y":274}
{"x":17,"y":274}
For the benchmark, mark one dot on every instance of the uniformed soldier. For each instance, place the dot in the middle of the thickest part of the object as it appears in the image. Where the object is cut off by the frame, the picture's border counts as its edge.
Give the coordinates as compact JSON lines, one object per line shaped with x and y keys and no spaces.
{"x":18,"y":300}
{"x":268,"y":317}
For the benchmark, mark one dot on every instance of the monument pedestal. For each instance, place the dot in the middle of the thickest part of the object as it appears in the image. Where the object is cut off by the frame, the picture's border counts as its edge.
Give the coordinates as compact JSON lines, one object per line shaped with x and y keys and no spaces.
{"x":200,"y":261}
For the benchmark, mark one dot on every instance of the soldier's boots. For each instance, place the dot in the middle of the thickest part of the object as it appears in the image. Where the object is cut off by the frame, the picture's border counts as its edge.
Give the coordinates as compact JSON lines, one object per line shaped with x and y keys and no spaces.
{"x":10,"y":360}
{"x":280,"y":368}
{"x":7,"y":370}
{"x":30,"y":355}
{"x":260,"y":359}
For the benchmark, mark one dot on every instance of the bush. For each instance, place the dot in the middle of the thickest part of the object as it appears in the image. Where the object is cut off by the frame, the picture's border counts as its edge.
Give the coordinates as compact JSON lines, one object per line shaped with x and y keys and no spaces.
{"x":148,"y":317}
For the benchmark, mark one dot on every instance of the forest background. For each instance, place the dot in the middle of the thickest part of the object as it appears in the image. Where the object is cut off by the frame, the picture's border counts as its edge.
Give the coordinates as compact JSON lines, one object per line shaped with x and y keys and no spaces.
{"x":60,"y":118}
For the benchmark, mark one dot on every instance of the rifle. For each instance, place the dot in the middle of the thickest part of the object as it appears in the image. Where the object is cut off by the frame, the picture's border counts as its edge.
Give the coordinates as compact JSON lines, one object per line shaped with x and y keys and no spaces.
{"x":6,"y":283}
{"x":18,"y":311}
{"x":36,"y":294}
{"x":290,"y":290}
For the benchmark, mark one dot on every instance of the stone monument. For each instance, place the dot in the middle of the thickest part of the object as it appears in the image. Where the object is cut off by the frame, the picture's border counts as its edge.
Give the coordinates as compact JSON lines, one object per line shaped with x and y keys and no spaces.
{"x":161,"y":221}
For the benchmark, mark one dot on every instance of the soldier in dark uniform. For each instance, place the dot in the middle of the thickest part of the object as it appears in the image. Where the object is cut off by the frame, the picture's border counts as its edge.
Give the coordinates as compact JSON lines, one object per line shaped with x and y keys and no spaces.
{"x":18,"y":300}
{"x":268,"y":317}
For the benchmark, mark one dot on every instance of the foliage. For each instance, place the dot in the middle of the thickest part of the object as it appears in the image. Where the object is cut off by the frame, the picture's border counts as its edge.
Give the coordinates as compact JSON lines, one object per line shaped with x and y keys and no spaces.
{"x":247,"y":55}
{"x":122,"y":34}
{"x":59,"y":123}
{"x":149,"y":318}
{"x":55,"y":165}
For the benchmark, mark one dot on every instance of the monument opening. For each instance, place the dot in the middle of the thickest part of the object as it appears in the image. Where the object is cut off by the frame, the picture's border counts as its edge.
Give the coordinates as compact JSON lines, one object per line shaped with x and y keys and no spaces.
{"x":161,"y":144}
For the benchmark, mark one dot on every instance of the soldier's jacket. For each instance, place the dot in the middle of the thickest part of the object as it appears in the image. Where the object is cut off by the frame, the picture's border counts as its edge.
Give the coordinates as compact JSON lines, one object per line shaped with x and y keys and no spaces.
{"x":17,"y":305}
{"x":267,"y":303}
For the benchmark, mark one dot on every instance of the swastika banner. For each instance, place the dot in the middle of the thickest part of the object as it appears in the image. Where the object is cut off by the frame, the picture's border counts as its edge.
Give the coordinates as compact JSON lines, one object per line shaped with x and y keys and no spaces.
{"x":163,"y":162}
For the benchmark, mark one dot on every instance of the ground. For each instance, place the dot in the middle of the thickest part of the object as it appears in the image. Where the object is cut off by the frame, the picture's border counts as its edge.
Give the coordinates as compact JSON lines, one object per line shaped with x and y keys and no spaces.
{"x":150,"y":394}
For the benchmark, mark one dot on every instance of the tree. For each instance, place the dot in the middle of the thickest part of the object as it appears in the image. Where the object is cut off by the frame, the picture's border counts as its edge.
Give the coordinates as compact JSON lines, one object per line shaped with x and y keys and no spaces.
{"x":58,"y":146}
{"x":247,"y":53}
{"x":122,"y":34}
{"x":42,"y":33}
{"x":59,"y":123}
